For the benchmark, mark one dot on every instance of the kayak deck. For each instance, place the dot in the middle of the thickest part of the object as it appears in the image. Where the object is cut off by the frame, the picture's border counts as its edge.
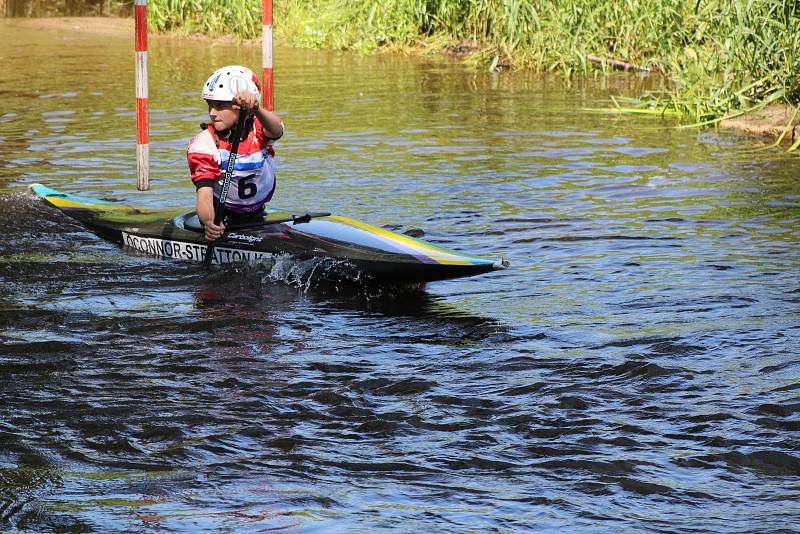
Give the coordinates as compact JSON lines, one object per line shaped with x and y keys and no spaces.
{"x":378,"y":254}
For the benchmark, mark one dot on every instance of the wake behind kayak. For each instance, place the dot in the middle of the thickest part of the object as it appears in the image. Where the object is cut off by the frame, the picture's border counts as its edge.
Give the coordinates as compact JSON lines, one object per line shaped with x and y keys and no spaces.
{"x":377,"y":254}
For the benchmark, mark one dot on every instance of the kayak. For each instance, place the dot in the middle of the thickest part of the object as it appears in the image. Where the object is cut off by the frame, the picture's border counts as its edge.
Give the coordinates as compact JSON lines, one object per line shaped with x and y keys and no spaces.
{"x":345,"y":246}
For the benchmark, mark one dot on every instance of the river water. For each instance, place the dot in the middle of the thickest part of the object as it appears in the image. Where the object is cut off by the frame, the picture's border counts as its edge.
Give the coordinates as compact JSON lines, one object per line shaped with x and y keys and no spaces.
{"x":636,"y":370}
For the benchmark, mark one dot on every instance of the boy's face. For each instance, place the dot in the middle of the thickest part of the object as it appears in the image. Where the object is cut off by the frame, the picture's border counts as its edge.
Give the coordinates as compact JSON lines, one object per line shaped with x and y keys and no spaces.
{"x":223,"y":116}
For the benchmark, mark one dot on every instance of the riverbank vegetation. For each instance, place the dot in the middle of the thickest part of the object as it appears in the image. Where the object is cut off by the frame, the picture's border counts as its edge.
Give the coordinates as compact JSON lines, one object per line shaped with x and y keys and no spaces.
{"x":716,"y":57}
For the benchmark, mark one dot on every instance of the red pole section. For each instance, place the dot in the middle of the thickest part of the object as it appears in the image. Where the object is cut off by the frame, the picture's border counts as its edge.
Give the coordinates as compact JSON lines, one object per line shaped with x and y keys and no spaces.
{"x":267,"y":80}
{"x":142,"y":126}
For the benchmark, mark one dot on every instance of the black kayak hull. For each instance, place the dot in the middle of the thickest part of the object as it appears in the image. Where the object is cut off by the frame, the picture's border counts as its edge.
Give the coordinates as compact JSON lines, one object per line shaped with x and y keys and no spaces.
{"x":349,"y":247}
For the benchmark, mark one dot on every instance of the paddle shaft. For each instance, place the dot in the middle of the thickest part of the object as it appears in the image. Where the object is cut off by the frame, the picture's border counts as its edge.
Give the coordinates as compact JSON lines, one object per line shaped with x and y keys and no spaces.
{"x":219,"y":209}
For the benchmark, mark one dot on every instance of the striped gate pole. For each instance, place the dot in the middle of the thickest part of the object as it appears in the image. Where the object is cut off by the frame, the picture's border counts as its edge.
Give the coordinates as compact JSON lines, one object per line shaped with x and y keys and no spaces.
{"x":267,"y":80}
{"x":142,"y":126}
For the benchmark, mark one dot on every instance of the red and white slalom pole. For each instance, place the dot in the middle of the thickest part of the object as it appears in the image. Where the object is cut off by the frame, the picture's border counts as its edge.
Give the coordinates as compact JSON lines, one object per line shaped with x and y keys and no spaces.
{"x":267,"y":80}
{"x":142,"y":123}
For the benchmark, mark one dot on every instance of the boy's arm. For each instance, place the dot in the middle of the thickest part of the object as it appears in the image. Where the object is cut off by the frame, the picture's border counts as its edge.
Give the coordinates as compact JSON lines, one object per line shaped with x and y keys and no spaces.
{"x":205,"y":212}
{"x":270,"y":123}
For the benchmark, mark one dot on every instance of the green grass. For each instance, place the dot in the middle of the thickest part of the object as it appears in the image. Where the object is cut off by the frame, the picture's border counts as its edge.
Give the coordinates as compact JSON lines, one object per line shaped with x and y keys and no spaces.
{"x":716,"y":55}
{"x":241,"y":18}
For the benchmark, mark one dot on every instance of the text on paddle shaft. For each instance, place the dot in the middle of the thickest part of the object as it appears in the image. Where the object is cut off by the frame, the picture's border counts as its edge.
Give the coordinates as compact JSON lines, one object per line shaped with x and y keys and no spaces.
{"x":190,"y":251}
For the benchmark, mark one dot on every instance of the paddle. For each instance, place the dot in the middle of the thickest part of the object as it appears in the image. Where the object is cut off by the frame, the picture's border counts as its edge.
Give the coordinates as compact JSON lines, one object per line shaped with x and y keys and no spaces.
{"x":219,"y":209}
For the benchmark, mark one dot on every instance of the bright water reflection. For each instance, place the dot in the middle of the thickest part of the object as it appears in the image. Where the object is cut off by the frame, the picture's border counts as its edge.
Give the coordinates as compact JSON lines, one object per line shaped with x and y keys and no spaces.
{"x":635,"y":371}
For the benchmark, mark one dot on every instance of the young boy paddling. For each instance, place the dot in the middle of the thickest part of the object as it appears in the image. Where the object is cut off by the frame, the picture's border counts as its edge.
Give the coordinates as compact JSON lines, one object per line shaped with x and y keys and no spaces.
{"x":229,"y":92}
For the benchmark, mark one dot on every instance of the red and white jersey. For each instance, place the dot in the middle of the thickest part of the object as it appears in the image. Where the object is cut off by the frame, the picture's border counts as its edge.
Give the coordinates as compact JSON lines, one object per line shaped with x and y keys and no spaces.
{"x":253,"y":180}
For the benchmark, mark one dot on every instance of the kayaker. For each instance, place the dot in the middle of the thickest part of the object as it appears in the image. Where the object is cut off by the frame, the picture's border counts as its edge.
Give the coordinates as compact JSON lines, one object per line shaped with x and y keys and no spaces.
{"x":228,"y":92}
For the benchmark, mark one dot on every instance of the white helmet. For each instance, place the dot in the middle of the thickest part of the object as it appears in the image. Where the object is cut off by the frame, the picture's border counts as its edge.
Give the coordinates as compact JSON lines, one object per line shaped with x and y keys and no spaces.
{"x":227,"y":81}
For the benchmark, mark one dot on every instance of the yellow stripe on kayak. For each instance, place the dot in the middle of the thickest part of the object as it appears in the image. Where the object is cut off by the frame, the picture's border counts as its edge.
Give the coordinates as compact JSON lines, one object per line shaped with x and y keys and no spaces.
{"x":62,"y":202}
{"x":437,"y":254}
{"x":109,"y":211}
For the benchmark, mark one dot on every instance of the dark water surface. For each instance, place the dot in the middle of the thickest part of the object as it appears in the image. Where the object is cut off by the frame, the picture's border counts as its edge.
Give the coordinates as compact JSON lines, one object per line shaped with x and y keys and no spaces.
{"x":636,"y":370}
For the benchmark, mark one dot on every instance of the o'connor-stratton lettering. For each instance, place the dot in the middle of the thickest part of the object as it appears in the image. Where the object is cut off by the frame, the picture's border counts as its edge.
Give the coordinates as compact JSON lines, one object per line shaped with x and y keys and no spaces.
{"x":190,"y":251}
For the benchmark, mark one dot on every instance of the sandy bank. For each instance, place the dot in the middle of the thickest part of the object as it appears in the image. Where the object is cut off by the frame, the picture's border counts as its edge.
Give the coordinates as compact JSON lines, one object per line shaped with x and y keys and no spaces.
{"x":769,"y":122}
{"x":112,"y":26}
{"x":95,"y":25}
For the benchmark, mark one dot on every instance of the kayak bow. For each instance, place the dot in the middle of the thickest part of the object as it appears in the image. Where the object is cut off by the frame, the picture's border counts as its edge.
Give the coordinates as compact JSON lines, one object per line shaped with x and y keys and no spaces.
{"x":378,"y":254}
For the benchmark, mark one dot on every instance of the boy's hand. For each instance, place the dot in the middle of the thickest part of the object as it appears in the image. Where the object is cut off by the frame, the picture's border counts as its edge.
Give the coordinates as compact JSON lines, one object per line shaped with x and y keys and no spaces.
{"x":212,"y":231}
{"x":246,"y":101}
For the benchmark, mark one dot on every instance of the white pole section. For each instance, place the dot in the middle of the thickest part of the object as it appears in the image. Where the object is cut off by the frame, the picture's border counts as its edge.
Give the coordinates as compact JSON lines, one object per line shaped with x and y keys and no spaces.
{"x":142,"y":122}
{"x":266,"y":56}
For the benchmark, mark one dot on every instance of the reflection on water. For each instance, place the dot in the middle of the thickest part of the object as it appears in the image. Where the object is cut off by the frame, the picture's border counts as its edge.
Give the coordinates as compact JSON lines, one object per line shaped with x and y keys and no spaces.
{"x":634,"y":371}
